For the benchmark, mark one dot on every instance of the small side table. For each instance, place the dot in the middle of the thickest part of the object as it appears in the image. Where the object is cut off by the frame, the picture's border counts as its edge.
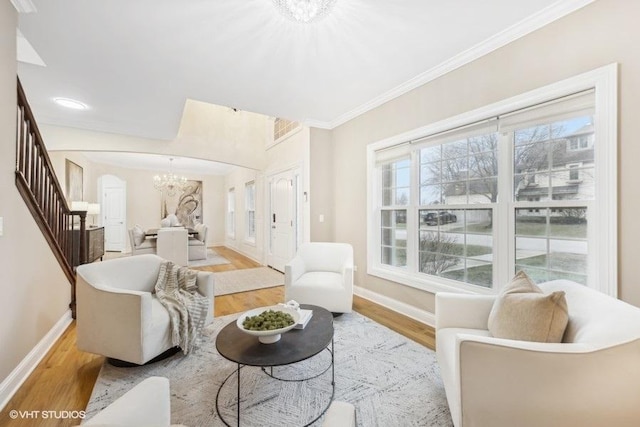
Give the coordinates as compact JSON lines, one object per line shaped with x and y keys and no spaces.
{"x":294,"y":346}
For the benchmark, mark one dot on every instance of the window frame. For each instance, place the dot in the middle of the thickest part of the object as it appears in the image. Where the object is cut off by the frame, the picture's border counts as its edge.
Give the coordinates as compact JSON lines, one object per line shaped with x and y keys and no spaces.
{"x":602,"y":224}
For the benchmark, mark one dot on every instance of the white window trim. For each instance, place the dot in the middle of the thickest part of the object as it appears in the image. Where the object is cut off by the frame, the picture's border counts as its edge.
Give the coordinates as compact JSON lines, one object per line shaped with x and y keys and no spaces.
{"x":250,"y":240}
{"x":231,"y":224}
{"x":605,"y":275}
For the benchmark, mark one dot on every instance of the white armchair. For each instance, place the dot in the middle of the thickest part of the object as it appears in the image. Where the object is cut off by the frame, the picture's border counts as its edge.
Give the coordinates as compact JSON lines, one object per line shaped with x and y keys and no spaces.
{"x":321,"y":274}
{"x":118,"y":316}
{"x":173,"y":245}
{"x":198,"y":244}
{"x":139,"y":242}
{"x":592,"y":378}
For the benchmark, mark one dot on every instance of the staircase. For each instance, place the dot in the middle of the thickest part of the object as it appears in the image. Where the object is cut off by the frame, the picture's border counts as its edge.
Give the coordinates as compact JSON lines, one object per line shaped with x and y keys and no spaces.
{"x":39,"y":187}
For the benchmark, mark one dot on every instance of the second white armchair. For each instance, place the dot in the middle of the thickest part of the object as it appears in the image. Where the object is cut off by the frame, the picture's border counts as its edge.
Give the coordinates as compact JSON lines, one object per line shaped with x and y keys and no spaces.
{"x":321,"y":274}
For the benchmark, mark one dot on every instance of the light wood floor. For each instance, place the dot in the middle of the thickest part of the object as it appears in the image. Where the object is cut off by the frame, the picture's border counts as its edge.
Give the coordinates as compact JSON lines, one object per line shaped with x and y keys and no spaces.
{"x":65,"y":377}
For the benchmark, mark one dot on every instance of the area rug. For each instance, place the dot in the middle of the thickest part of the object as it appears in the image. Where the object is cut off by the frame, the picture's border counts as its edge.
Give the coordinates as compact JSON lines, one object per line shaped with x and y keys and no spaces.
{"x":212,"y":259}
{"x":391,"y":380}
{"x":231,"y":282}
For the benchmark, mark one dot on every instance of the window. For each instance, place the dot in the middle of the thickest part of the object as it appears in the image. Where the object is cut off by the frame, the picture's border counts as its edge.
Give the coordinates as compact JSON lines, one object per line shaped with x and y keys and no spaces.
{"x":529,"y":188}
{"x":459,"y":173}
{"x":395,"y":198}
{"x":579,"y":142}
{"x":231,"y":213}
{"x":283,"y":129}
{"x":250,"y":211}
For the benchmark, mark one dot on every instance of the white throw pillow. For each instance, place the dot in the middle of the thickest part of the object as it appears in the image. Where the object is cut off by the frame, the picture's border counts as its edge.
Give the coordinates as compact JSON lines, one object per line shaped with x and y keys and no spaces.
{"x":200,"y":229}
{"x":138,"y":235}
{"x":523,"y":312}
{"x":175,"y":222}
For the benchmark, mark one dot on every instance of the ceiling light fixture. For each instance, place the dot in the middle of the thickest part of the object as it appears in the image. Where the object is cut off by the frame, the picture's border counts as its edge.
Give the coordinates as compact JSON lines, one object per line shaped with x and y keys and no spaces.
{"x":70,"y":103}
{"x":170,"y":182}
{"x":304,"y":10}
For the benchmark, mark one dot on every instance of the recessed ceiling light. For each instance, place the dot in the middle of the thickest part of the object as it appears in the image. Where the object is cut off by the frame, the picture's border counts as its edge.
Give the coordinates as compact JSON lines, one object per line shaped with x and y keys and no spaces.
{"x":70,"y":103}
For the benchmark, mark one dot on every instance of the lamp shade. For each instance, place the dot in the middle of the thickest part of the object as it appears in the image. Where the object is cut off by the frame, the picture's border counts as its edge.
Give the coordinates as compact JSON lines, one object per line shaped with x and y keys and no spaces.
{"x":94,"y":209}
{"x":79,"y":206}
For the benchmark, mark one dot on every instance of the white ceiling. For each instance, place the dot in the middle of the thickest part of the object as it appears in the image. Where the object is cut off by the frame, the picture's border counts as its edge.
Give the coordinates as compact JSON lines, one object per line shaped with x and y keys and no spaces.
{"x":160,"y":164}
{"x":134,"y":63}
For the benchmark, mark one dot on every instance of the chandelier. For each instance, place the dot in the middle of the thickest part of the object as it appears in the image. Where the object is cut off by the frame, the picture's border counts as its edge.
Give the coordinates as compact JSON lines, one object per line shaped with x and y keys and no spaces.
{"x":304,"y":10}
{"x":170,"y":182}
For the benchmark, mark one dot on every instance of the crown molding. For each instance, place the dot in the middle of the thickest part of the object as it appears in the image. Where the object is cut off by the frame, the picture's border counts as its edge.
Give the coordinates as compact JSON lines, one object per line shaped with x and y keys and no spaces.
{"x":24,"y":6}
{"x":316,"y":124}
{"x":534,"y":22}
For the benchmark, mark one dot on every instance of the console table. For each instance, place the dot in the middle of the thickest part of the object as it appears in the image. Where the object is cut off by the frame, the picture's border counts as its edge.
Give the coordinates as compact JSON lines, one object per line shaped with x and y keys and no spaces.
{"x":94,"y":245}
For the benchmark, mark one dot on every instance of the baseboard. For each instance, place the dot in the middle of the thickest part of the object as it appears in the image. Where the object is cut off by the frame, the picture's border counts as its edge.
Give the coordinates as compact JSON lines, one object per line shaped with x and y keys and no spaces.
{"x":414,"y":313}
{"x":17,"y":377}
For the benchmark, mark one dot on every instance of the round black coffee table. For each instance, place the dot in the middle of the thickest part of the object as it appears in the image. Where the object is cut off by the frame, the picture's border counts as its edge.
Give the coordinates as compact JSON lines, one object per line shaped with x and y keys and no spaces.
{"x":294,"y":346}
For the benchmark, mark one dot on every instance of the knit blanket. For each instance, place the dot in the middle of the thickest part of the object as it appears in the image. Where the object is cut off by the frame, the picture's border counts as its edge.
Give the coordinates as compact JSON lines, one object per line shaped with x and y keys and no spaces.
{"x":176,"y":289}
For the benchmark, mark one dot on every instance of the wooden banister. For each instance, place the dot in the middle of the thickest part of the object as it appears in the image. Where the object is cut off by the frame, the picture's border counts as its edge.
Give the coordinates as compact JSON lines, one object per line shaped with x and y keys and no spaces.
{"x":39,"y":186}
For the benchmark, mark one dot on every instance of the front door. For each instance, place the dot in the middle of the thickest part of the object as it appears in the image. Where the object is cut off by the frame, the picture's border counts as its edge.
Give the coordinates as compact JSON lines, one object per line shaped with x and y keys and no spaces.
{"x":282,"y":195}
{"x":114,"y":215}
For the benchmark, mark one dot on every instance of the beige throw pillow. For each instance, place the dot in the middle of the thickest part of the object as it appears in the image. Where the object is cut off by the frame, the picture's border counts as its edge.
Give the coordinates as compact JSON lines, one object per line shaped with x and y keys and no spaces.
{"x":523,"y":312}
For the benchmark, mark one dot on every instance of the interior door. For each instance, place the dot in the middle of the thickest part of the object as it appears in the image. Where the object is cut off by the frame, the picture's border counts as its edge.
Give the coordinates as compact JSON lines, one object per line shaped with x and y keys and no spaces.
{"x":114,"y":218}
{"x":282,"y":220}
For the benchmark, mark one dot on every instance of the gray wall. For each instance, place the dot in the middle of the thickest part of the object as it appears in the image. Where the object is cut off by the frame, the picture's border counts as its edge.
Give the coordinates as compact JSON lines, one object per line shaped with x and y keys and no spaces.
{"x":322,"y":184}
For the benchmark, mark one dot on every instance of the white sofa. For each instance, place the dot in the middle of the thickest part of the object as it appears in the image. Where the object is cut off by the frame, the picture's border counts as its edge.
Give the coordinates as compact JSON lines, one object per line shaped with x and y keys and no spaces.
{"x":117,"y":314}
{"x":592,"y":378}
{"x":148,"y":403}
{"x":321,"y":274}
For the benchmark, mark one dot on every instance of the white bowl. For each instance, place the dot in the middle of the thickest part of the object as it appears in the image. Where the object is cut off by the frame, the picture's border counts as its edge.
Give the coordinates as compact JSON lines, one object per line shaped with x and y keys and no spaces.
{"x":274,"y":335}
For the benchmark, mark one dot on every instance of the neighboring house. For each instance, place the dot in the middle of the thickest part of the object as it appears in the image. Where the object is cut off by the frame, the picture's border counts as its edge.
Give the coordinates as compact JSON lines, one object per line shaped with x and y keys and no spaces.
{"x":570,"y":177}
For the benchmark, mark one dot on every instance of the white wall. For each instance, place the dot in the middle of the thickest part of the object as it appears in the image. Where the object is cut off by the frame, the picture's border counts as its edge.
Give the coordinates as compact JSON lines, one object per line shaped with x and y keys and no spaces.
{"x":35,"y":291}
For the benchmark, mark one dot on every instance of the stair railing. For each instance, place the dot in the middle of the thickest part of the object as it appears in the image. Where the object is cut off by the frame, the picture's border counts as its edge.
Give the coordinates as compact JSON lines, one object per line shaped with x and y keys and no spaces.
{"x":37,"y":183}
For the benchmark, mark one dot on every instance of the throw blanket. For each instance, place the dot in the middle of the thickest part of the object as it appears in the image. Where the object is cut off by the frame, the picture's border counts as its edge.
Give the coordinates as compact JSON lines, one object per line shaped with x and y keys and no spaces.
{"x":176,"y":289}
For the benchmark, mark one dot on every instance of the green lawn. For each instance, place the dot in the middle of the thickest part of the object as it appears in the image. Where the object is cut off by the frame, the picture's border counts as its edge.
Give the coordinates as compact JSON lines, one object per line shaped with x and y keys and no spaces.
{"x":472,"y":250}
{"x":555,"y":230}
{"x":481,"y":275}
{"x":561,"y":262}
{"x":530,"y":229}
{"x":562,"y":266}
